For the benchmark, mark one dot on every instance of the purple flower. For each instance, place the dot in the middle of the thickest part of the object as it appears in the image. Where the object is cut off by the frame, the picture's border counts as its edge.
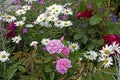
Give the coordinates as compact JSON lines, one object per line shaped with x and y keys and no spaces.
{"x":64,"y":17}
{"x":16,"y":1}
{"x":25,"y":30}
{"x":41,"y":1}
{"x":114,"y":18}
{"x":66,"y":51}
{"x":62,"y":65}
{"x":102,"y":9}
{"x":44,"y":49}
{"x":41,"y":31}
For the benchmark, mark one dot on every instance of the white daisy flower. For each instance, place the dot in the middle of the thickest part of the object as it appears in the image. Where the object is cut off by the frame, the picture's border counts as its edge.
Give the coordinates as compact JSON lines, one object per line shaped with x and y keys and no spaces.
{"x":19,"y":23}
{"x":17,"y":39}
{"x":26,"y":7}
{"x":107,"y":50}
{"x":67,"y":4}
{"x":73,"y":47}
{"x":58,"y":23}
{"x":1,"y":16}
{"x":33,"y":43}
{"x":41,"y":17}
{"x":23,"y":18}
{"x":92,"y":55}
{"x":66,"y":23}
{"x":4,"y":56}
{"x":20,"y":12}
{"x":52,"y":18}
{"x":67,"y":11}
{"x":116,"y":47}
{"x":52,"y":7}
{"x":45,"y":41}
{"x":107,"y":61}
{"x":9,"y":18}
{"x":29,"y":25}
{"x":30,"y":1}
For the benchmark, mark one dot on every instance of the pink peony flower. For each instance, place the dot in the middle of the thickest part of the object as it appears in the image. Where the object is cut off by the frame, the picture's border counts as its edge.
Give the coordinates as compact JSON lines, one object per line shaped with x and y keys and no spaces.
{"x":66,"y":51}
{"x":63,"y":65}
{"x":54,"y":46}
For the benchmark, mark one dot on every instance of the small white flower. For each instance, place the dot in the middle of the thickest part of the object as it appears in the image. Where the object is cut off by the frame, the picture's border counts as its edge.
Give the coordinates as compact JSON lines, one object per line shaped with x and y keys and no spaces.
{"x":20,"y":12}
{"x":107,"y":50}
{"x":107,"y":61}
{"x":1,"y":16}
{"x":67,"y":4}
{"x":41,"y":17}
{"x":58,"y":23}
{"x":26,"y":7}
{"x":19,"y":23}
{"x":52,"y":18}
{"x":33,"y":43}
{"x":23,"y":18}
{"x":9,"y":18}
{"x":16,"y":39}
{"x":92,"y":55}
{"x":30,"y":1}
{"x":45,"y":41}
{"x":73,"y":47}
{"x":29,"y":25}
{"x":67,"y":11}
{"x":66,"y":23}
{"x":4,"y":56}
{"x":116,"y":47}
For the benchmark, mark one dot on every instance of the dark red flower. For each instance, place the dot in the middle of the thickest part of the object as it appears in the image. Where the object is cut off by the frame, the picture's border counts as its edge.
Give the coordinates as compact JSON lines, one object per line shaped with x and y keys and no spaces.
{"x":110,"y":38}
{"x":87,"y":14}
{"x":11,"y":30}
{"x":79,"y":14}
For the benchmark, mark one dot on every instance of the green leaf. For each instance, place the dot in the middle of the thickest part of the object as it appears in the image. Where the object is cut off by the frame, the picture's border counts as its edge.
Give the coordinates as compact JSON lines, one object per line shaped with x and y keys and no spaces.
{"x":47,"y":68}
{"x":46,"y":60}
{"x":82,"y":7}
{"x":52,"y":75}
{"x":77,"y":36}
{"x":11,"y":72}
{"x":99,"y":3}
{"x":95,"y":19}
{"x":84,"y":39}
{"x":21,"y":68}
{"x":89,"y":76}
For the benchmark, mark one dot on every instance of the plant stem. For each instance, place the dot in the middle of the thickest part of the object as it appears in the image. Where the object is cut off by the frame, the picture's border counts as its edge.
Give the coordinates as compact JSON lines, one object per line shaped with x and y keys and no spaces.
{"x":4,"y":71}
{"x":118,"y":72}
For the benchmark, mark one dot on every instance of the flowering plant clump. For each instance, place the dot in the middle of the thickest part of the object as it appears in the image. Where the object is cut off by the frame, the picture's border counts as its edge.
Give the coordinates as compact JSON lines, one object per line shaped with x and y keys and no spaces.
{"x":60,"y":40}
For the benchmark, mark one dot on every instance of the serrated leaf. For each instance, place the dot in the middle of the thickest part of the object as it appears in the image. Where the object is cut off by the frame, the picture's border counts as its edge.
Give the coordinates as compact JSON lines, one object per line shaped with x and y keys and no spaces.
{"x":95,"y":19}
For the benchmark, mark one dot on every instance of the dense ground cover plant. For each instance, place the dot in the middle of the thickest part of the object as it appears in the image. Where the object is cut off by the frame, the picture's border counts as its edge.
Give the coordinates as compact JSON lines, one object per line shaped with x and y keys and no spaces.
{"x":60,"y":40}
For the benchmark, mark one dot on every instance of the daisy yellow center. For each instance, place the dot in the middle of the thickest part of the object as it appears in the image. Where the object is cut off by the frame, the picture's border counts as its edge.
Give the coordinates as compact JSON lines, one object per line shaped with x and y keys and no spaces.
{"x":73,"y":46}
{"x":40,"y":18}
{"x":106,"y":61}
{"x":56,"y":10}
{"x":3,"y":56}
{"x":16,"y":39}
{"x":65,"y":24}
{"x":53,"y":7}
{"x":21,"y":12}
{"x":67,"y":12}
{"x":9,"y":17}
{"x":46,"y":41}
{"x":106,"y":51}
{"x":44,"y":20}
{"x":58,"y":22}
{"x":52,"y":18}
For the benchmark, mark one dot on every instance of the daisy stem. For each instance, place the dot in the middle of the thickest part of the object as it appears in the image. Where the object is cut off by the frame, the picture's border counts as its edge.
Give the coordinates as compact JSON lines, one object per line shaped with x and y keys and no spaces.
{"x":4,"y":71}
{"x":118,"y":72}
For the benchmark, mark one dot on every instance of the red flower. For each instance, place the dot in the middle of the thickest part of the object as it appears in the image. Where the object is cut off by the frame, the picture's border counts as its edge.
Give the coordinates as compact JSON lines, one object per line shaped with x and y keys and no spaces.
{"x":86,"y":14}
{"x":79,"y":14}
{"x":11,"y":30}
{"x":110,"y":38}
